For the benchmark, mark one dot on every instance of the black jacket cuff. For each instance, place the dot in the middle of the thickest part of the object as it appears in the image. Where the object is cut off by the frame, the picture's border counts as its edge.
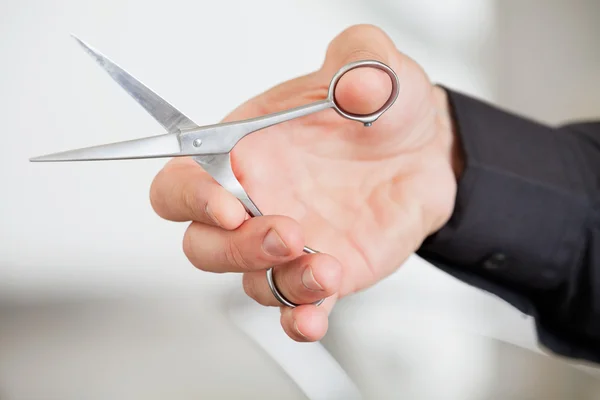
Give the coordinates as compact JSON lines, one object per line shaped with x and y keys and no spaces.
{"x":509,"y":222}
{"x":526,"y":224}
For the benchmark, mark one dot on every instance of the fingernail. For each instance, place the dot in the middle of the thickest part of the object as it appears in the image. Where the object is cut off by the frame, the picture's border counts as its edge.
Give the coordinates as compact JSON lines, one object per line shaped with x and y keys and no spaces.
{"x":298,"y":331}
{"x":211,"y":215}
{"x":273,"y":244}
{"x":309,"y":281}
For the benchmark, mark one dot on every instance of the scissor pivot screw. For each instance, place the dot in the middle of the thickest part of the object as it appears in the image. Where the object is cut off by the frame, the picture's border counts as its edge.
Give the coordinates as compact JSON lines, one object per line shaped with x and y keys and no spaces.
{"x":197,"y":143}
{"x":368,"y":124}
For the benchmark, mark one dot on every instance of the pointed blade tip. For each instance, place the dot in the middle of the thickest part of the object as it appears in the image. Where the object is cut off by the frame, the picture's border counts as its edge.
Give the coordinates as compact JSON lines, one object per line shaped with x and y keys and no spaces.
{"x":84,"y":45}
{"x":164,"y":113}
{"x":46,"y":158}
{"x":76,"y":38}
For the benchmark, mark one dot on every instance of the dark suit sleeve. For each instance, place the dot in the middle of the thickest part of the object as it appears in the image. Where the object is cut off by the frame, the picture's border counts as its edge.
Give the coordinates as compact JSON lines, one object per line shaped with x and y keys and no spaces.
{"x":526,"y":223}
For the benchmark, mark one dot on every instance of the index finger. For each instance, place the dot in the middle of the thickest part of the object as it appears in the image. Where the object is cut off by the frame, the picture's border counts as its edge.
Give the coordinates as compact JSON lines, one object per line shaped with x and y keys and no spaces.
{"x":183,"y":191}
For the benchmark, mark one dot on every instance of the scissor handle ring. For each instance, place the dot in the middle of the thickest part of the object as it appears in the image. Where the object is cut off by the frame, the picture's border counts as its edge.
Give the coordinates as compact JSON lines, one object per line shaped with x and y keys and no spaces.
{"x":366,"y":119}
{"x":280,"y":297}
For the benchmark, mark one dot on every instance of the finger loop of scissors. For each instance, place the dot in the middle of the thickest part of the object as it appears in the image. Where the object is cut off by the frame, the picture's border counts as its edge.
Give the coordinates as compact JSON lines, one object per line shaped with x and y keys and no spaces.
{"x":366,"y":119}
{"x":280,"y":297}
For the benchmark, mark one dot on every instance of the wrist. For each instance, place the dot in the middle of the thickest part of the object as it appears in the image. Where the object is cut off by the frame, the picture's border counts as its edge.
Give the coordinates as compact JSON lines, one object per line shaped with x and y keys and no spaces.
{"x":449,"y":160}
{"x":448,"y":131}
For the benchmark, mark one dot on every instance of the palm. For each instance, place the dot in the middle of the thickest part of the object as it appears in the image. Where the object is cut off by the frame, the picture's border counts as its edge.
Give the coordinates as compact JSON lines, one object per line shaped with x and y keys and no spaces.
{"x":356,"y":191}
{"x":365,"y":196}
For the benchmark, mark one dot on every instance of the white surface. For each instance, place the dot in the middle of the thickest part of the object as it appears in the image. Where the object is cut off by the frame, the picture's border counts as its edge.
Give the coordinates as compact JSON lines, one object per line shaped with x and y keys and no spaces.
{"x":420,"y":334}
{"x":313,"y":369}
{"x":71,"y":232}
{"x":128,"y":348}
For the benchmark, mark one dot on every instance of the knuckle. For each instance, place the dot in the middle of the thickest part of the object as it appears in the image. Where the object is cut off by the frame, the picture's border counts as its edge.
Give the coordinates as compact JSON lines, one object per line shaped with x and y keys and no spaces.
{"x":156,"y":199}
{"x":353,"y":32}
{"x":288,"y":284}
{"x":291,"y":289}
{"x":249,"y":286}
{"x":359,"y":34}
{"x":188,"y":245}
{"x":251,"y":289}
{"x":359,"y":42}
{"x":234,"y":256}
{"x":190,"y":203}
{"x":359,"y":30}
{"x":190,"y":250}
{"x":361,"y":54}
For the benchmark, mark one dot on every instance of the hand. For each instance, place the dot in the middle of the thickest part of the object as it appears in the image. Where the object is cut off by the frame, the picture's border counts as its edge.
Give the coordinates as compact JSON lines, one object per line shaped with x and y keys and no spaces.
{"x":365,"y":198}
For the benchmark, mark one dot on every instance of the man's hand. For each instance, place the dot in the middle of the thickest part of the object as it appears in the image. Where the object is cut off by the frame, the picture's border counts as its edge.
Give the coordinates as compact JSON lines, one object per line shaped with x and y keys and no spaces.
{"x":365,"y":198}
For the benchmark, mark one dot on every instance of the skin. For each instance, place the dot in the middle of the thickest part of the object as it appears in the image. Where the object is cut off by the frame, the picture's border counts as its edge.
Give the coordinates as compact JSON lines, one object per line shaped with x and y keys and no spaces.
{"x":365,"y":198}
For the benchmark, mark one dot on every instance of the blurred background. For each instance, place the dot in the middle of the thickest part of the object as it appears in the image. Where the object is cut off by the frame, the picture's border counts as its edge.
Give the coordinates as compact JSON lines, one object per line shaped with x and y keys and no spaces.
{"x":97,"y":299}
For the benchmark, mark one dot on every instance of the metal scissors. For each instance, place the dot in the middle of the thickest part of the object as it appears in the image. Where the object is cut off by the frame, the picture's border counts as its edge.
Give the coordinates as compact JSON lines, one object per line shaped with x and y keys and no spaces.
{"x":209,"y":146}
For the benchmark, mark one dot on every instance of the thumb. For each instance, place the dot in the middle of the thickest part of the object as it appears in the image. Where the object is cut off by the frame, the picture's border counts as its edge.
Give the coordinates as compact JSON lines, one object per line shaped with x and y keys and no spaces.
{"x":361,"y":90}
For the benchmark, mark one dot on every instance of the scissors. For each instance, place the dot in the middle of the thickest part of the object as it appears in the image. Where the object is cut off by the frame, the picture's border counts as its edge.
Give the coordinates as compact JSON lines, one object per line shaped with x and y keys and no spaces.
{"x":210,"y":146}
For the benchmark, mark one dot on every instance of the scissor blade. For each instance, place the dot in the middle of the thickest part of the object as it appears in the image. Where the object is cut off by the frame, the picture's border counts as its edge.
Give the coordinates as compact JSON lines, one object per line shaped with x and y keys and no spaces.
{"x":166,"y":145}
{"x":167,"y":115}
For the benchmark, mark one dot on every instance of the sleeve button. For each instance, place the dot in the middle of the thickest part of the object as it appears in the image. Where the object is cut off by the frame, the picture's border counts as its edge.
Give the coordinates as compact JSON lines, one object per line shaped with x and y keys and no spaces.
{"x":495,"y":261}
